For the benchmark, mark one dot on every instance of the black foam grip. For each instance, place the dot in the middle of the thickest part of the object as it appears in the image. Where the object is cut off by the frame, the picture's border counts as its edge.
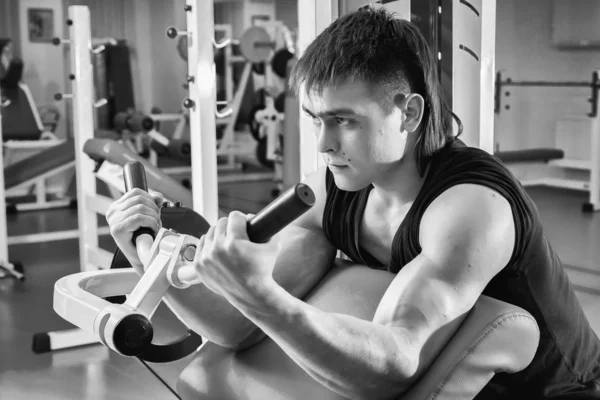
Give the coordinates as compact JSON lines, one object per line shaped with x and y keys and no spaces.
{"x":277,"y":215}
{"x":180,"y":149}
{"x":139,"y":123}
{"x":120,"y":121}
{"x":135,"y":178}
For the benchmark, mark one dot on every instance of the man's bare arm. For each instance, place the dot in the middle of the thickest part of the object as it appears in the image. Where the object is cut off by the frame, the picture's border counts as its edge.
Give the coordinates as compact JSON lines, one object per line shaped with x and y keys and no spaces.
{"x":467,"y":236}
{"x":305,"y":256}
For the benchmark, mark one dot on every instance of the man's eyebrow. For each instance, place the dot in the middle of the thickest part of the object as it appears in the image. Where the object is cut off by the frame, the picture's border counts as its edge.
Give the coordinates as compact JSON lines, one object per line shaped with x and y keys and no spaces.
{"x":331,"y":113}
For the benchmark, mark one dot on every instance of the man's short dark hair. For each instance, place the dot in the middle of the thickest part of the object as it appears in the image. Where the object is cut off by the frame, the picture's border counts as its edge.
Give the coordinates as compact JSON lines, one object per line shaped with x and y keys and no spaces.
{"x":391,"y":55}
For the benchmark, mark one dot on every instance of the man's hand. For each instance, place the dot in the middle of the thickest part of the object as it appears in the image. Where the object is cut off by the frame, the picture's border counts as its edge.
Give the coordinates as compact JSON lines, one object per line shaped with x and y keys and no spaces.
{"x":232,"y":266}
{"x":135,"y":209}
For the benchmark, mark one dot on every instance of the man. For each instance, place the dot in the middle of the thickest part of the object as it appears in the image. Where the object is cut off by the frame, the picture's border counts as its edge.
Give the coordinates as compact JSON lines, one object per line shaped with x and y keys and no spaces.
{"x":401,"y":193}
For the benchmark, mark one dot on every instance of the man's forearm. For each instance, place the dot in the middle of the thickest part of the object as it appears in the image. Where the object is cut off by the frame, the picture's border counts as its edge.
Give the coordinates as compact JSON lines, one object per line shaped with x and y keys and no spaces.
{"x":212,"y":317}
{"x":353,"y":357}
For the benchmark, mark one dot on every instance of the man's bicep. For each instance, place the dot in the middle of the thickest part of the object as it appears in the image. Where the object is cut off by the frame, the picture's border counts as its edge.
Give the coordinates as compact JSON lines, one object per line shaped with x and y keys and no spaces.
{"x":305,"y":253}
{"x":305,"y":256}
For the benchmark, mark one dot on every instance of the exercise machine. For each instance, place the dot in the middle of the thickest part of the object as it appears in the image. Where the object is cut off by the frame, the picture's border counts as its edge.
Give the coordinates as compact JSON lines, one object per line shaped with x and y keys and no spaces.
{"x":25,"y":136}
{"x":126,"y":328}
{"x":553,"y":166}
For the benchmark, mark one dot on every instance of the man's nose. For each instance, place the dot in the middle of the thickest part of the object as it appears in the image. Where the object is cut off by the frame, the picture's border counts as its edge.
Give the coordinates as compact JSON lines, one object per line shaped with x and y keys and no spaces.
{"x":327,"y":140}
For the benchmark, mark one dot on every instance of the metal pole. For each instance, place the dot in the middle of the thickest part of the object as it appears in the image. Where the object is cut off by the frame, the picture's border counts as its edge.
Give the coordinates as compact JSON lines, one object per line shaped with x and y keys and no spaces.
{"x":509,"y":82}
{"x":83,"y":129}
{"x":487,"y":75}
{"x":473,"y":54}
{"x":202,"y":91}
{"x":594,"y":196}
{"x":3,"y":228}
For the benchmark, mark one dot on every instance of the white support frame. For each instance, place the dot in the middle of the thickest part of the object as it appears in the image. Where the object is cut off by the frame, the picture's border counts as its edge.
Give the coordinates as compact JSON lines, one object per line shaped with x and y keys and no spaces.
{"x":3,"y":231}
{"x":473,"y":55}
{"x":202,"y":91}
{"x":83,"y":128}
{"x":594,"y":198}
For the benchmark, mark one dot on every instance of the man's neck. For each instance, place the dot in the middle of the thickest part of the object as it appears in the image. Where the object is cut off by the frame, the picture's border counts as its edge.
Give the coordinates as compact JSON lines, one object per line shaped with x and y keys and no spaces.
{"x":400,"y":184}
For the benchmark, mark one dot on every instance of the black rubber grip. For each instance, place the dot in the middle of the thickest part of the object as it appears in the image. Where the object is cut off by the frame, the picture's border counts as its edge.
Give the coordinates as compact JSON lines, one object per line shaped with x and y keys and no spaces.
{"x":277,"y":215}
{"x":139,"y":123}
{"x":120,"y":121}
{"x":135,"y":178}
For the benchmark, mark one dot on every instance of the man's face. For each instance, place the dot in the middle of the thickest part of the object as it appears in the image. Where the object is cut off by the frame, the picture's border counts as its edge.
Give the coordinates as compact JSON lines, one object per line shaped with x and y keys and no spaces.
{"x":358,"y":141}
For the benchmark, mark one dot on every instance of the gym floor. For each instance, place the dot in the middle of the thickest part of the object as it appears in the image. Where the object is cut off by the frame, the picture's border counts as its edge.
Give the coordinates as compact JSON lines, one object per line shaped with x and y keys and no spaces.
{"x":94,"y":372}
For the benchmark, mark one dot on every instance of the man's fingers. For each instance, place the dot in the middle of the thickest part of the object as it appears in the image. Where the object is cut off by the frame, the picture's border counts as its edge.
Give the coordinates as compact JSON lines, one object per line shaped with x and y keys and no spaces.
{"x":209,"y":236}
{"x":221,"y":227}
{"x":133,"y":222}
{"x":158,"y":197}
{"x":237,"y":226}
{"x":131,"y":193}
{"x":139,"y":200}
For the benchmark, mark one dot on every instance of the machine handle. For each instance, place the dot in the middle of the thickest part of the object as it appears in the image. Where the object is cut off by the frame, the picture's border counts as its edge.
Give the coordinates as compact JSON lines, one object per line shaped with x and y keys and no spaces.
{"x":135,"y":177}
{"x":280,"y":212}
{"x":264,"y":225}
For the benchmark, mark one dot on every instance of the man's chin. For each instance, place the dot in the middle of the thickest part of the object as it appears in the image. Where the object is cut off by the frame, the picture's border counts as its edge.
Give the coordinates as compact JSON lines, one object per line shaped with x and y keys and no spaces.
{"x":349,"y":185}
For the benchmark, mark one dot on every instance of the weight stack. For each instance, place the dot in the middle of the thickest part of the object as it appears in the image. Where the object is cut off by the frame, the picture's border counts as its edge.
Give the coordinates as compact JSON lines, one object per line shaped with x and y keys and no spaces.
{"x":291,"y":135}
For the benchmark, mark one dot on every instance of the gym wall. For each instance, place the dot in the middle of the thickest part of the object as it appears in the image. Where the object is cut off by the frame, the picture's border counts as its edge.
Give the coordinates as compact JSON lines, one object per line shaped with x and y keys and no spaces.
{"x":525,"y":51}
{"x":9,"y":27}
{"x":287,"y":12}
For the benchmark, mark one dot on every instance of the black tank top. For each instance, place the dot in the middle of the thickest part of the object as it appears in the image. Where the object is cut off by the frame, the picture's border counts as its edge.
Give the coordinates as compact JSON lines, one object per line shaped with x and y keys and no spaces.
{"x":568,"y":356}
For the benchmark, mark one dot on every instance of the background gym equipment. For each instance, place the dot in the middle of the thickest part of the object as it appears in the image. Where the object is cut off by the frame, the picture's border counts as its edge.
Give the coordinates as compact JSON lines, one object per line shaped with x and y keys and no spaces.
{"x":8,"y":269}
{"x":593,"y":85}
{"x":565,"y":169}
{"x":203,"y":197}
{"x":230,"y":147}
{"x":25,"y":135}
{"x":113,"y":80}
{"x":269,"y":42}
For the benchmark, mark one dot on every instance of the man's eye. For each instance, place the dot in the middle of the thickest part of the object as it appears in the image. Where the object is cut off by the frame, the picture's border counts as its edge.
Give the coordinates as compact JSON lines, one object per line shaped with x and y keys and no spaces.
{"x":315,"y":120}
{"x":342,"y":121}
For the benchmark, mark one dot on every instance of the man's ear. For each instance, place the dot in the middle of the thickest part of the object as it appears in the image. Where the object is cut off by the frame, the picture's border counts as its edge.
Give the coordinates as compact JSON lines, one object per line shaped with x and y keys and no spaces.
{"x":412,"y":107}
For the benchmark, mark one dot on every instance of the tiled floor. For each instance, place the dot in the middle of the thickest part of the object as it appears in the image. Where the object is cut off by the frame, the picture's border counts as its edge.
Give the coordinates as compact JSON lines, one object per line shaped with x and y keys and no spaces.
{"x":96,"y":373}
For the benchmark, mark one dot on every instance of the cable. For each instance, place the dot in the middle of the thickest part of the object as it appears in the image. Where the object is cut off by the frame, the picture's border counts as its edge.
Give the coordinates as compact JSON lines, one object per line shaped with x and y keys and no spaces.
{"x":160,"y":379}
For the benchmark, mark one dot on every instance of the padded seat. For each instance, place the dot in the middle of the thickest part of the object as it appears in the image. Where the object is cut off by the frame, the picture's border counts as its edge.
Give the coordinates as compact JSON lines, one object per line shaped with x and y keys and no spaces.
{"x":42,"y":162}
{"x":530,"y":155}
{"x":495,"y":337}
